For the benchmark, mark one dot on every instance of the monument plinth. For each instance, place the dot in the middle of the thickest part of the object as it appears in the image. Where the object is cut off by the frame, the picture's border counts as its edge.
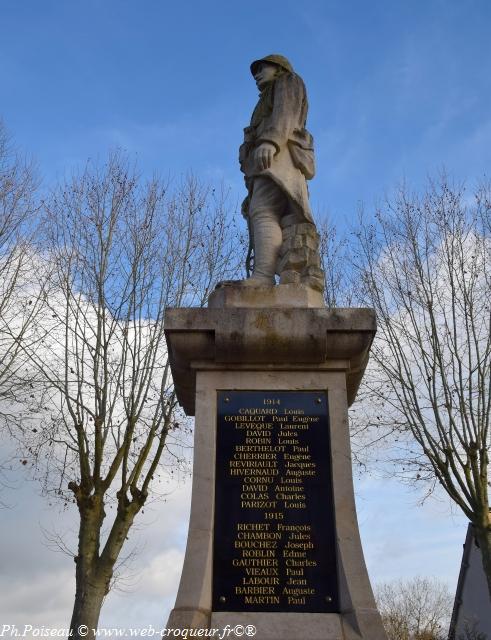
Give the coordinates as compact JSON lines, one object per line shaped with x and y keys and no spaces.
{"x":269,"y":373}
{"x":273,"y":537}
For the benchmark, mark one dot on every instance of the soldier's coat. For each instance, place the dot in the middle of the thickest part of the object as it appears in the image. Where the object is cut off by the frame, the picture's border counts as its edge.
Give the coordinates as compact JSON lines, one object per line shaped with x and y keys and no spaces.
{"x":279,"y":118}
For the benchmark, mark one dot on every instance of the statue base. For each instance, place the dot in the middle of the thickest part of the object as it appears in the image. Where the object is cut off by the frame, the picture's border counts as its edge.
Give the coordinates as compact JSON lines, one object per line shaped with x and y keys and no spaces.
{"x":268,"y":355}
{"x":274,"y":297}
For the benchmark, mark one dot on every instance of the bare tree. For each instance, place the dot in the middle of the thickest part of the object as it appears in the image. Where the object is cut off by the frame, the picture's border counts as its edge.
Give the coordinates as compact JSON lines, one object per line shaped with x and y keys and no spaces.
{"x":120,"y":252}
{"x":19,"y":304}
{"x":334,"y":250}
{"x":416,"y":609}
{"x":425,"y":266}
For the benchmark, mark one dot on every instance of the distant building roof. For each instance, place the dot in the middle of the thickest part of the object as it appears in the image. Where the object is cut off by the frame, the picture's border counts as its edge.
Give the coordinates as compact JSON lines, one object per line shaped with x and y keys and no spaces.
{"x":472,"y":608}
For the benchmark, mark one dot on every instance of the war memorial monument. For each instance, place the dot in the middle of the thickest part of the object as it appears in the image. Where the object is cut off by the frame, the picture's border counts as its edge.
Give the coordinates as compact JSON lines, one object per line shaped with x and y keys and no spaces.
{"x":269,"y":373}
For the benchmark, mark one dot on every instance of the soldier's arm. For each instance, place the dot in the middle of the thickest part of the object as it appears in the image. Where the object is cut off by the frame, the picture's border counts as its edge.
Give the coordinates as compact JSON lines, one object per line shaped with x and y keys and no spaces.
{"x":289,"y":95}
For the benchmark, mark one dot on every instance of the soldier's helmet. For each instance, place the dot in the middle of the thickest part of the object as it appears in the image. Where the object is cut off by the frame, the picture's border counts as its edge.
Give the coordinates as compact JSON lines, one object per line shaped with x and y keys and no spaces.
{"x":273,"y":58}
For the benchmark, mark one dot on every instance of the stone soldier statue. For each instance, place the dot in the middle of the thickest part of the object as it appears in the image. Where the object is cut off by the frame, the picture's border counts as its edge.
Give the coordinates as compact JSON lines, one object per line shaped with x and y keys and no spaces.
{"x":277,"y":157}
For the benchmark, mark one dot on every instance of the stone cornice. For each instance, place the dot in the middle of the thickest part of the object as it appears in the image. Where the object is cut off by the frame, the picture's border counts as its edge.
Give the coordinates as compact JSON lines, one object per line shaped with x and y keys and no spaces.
{"x":264,"y":338}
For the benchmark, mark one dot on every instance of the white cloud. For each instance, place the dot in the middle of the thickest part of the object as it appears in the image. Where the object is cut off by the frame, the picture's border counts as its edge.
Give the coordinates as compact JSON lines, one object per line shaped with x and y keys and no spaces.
{"x":402,"y":539}
{"x":37,"y":585}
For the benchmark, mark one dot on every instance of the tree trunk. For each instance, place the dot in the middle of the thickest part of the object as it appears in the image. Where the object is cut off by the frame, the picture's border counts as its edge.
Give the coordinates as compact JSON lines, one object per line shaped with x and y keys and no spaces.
{"x":483,"y":536}
{"x":94,"y":569}
{"x":92,"y":584}
{"x":89,"y":595}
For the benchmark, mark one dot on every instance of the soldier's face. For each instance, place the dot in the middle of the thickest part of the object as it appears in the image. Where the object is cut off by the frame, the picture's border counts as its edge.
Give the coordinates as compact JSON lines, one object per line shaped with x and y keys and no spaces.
{"x":265,"y":73}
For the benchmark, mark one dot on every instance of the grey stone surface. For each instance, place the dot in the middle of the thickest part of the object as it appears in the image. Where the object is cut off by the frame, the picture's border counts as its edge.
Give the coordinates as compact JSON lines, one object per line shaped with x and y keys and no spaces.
{"x":287,"y":349}
{"x":298,"y":258}
{"x":278,"y":336}
{"x":283,"y":296}
{"x":285,"y":626}
{"x":358,"y":617}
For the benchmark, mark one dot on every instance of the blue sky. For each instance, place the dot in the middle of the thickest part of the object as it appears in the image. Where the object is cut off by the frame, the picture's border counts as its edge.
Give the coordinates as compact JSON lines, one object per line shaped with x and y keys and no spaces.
{"x":397,"y":90}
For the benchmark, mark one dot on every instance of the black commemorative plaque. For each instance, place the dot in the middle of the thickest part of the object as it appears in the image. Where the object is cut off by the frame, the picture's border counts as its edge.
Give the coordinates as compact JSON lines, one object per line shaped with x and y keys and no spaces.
{"x":274,"y":535}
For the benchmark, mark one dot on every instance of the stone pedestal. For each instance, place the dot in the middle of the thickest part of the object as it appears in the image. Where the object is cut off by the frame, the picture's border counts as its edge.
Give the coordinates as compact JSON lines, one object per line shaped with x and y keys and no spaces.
{"x":270,"y":349}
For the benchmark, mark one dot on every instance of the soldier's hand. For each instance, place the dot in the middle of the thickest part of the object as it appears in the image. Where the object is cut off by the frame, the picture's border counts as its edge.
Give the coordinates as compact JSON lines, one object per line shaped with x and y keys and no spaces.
{"x":264,"y":155}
